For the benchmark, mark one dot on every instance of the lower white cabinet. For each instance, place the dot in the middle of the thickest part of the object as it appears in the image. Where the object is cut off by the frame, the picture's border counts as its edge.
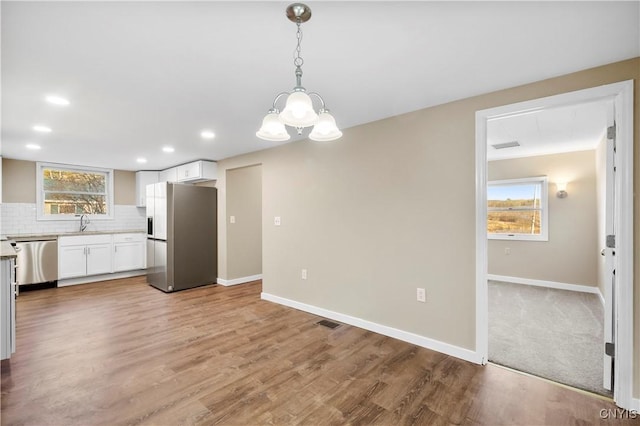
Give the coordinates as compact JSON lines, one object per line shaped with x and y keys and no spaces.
{"x":83,"y":255}
{"x":7,"y":308}
{"x":129,"y":252}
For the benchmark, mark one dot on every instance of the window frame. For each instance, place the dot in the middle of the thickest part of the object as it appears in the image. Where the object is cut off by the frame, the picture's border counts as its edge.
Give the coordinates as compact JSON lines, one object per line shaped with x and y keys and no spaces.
{"x":544,"y":209}
{"x":40,"y":212}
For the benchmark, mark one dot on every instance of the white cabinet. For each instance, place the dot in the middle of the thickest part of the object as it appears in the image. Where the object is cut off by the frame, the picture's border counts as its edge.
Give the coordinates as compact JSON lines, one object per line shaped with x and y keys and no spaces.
{"x":144,"y":178}
{"x":198,"y":171}
{"x":129,"y":252}
{"x":83,"y":255}
{"x":168,"y":175}
{"x":7,"y":308}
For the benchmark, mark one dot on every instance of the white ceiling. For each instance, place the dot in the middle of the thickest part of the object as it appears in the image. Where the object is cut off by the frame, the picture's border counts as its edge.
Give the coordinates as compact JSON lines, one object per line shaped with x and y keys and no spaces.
{"x":143,"y":75}
{"x":569,"y":128}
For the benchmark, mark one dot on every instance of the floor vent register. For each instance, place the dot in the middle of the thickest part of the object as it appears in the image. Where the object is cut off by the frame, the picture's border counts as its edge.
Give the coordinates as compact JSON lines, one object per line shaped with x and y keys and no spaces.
{"x":329,"y":324}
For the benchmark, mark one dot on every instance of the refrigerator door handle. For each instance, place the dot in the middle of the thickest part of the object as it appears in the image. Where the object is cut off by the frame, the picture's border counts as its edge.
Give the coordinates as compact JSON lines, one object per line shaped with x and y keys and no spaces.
{"x":149,"y":225}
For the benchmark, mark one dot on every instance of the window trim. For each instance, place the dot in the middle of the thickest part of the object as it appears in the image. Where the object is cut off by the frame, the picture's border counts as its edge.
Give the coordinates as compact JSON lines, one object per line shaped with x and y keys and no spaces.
{"x":544,"y":209}
{"x":40,"y":214}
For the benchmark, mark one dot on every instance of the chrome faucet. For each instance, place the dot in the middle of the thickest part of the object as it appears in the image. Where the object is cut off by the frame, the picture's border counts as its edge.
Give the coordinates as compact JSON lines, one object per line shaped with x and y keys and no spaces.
{"x":84,"y":221}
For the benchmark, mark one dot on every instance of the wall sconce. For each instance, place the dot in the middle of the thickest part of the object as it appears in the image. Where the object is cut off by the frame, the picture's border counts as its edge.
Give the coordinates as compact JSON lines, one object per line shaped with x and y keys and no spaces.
{"x":562,"y":189}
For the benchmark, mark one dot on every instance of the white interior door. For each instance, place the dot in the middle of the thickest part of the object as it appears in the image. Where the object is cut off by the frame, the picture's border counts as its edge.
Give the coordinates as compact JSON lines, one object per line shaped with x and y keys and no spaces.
{"x":609,"y":253}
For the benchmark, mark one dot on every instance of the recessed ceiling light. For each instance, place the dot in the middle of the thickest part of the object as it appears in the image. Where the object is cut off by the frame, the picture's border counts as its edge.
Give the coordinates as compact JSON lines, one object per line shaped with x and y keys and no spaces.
{"x":33,"y":146}
{"x":42,"y":129}
{"x":168,"y":149}
{"x":141,"y":160}
{"x":57,"y":100}
{"x":207,"y":134}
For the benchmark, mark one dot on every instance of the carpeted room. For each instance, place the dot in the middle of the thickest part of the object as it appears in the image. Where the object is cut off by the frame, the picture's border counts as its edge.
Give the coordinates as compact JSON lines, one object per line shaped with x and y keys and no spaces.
{"x":546,"y":304}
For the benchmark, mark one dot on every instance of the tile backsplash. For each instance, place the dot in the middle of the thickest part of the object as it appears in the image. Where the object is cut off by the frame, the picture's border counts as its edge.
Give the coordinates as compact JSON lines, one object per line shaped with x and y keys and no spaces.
{"x":20,"y":219}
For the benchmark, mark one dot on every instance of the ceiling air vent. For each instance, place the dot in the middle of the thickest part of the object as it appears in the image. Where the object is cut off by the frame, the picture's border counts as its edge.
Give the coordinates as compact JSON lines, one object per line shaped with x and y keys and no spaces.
{"x":506,"y":145}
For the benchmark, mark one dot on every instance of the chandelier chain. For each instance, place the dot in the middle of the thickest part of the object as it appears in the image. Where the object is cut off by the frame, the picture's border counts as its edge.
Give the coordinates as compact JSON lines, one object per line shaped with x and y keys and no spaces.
{"x":297,"y":59}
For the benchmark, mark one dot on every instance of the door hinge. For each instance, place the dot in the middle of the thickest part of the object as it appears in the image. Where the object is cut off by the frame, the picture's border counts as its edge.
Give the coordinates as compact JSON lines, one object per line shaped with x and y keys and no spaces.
{"x":611,"y":132}
{"x":611,"y":241}
{"x":610,"y":349}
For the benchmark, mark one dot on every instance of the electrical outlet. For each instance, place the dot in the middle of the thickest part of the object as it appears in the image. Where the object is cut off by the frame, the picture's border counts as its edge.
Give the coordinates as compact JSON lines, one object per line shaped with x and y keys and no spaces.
{"x":303,"y":274}
{"x":507,"y":251}
{"x":421,"y":295}
{"x":232,"y":219}
{"x":276,"y":221}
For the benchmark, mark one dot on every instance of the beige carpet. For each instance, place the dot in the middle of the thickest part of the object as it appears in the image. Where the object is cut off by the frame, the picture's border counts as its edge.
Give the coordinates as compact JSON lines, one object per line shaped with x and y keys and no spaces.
{"x":555,"y":334}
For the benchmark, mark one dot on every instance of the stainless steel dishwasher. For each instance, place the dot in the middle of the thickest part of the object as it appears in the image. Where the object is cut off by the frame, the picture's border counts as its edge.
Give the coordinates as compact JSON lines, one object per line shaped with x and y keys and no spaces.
{"x":37,"y":260}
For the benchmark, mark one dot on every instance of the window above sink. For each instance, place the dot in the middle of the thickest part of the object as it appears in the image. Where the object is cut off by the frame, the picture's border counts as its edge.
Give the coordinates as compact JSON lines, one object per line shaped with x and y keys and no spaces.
{"x":65,"y":192}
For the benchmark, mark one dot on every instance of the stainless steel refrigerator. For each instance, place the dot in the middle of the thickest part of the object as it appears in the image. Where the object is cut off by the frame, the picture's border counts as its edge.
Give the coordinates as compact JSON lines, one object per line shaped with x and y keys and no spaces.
{"x":182,"y":238}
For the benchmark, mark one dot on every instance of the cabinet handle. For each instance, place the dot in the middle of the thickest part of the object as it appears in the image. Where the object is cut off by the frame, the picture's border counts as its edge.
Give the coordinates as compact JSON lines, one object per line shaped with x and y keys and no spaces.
{"x":115,"y":249}
{"x":89,"y":251}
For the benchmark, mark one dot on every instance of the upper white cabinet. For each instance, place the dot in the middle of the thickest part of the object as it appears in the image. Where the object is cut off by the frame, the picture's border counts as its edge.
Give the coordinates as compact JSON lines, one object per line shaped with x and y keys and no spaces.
{"x":168,"y":175}
{"x":144,"y":178}
{"x":198,"y":171}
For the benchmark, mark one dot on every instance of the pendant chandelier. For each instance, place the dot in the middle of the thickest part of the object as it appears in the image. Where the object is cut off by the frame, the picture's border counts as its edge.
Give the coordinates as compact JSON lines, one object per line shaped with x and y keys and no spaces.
{"x":298,"y":111}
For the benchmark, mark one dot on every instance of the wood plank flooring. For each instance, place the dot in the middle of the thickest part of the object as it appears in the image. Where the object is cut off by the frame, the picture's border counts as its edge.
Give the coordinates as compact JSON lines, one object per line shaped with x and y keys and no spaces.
{"x":123,"y":353}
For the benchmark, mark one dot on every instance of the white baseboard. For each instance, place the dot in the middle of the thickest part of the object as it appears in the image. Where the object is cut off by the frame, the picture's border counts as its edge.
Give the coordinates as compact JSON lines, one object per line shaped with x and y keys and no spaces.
{"x":103,"y":277}
{"x":549,"y":284}
{"x":240,"y":280}
{"x":425,"y":342}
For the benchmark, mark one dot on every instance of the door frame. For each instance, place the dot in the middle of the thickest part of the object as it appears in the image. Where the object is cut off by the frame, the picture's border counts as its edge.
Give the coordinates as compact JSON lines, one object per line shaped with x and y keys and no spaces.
{"x":622,"y":94}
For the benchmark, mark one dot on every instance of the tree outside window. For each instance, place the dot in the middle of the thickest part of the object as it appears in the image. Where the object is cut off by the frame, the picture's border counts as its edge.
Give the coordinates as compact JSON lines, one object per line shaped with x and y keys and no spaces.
{"x":69,"y":191}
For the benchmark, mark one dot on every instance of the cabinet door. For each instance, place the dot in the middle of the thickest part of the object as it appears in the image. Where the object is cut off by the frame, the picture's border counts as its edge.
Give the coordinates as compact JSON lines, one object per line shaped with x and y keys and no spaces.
{"x":99,"y":259}
{"x":189,"y":171}
{"x":128,"y":256}
{"x":144,"y":178}
{"x":168,"y":175}
{"x":72,"y":262}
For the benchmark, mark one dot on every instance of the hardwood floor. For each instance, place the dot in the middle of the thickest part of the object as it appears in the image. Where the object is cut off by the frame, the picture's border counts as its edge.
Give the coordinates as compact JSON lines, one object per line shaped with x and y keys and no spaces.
{"x":121,"y":352}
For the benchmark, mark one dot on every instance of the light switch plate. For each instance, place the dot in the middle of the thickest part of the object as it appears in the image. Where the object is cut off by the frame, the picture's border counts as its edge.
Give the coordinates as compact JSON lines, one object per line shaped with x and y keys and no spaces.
{"x":276,"y":221}
{"x":232,"y":219}
{"x":421,"y":295}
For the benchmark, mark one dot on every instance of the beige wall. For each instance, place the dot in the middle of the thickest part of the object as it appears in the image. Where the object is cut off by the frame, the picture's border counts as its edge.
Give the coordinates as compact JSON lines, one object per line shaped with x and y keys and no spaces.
{"x":570,"y":255}
{"x":390,"y":207}
{"x":124,"y":187}
{"x":19,"y":183}
{"x":244,"y":237}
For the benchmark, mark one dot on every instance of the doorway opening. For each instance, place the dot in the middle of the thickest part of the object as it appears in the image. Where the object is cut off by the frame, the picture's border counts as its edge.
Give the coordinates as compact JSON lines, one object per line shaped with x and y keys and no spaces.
{"x":620,"y":309}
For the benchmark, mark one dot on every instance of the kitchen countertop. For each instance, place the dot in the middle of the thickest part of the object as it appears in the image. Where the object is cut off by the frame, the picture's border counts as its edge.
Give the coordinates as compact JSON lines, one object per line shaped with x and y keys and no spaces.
{"x":53,"y":236}
{"x":6,"y":250}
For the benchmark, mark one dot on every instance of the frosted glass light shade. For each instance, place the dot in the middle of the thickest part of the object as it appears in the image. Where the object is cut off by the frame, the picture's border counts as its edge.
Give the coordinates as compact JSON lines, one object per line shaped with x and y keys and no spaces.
{"x":273,"y":129}
{"x":325,"y":129}
{"x":298,"y":112}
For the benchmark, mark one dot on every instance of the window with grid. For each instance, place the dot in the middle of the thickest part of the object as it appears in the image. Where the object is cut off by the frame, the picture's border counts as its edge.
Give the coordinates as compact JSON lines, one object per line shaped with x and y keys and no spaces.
{"x":65,"y":192}
{"x":517,"y":209}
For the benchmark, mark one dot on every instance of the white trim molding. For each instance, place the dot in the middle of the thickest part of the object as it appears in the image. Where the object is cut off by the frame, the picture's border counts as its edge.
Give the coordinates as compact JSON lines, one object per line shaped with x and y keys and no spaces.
{"x":549,"y":284}
{"x":240,"y":280}
{"x":425,"y":342}
{"x":622,"y":95}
